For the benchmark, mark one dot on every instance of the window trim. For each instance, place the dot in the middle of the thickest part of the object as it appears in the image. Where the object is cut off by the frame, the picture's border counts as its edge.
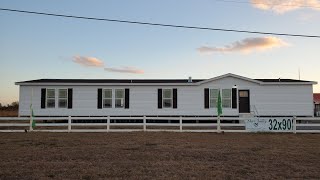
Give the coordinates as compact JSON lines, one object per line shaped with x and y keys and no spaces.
{"x":115,"y":98}
{"x":47,"y":98}
{"x":66,"y":98}
{"x":171,"y":99}
{"x":103,"y":98}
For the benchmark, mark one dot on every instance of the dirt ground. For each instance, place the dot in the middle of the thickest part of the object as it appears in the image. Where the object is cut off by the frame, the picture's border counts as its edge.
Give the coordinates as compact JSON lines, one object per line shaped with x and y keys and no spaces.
{"x":5,"y":113}
{"x":159,"y":155}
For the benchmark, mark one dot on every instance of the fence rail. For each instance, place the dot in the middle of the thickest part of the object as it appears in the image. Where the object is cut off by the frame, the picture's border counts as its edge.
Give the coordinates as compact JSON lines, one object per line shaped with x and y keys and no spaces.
{"x":145,"y":123}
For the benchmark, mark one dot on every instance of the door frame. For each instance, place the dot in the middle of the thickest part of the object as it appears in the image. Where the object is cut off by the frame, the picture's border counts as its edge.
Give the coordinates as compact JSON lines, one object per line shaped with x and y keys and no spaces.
{"x":249,"y":108}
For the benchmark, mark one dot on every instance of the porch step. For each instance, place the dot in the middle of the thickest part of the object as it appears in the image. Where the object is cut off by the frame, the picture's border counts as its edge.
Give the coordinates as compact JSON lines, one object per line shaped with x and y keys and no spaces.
{"x":246,"y":115}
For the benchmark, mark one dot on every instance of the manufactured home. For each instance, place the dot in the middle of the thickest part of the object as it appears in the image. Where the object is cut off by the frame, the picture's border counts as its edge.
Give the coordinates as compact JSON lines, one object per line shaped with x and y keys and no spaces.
{"x":241,"y":96}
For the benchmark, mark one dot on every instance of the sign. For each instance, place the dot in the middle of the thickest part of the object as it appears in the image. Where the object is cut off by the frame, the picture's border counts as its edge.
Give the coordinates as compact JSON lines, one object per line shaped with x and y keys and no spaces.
{"x":276,"y":124}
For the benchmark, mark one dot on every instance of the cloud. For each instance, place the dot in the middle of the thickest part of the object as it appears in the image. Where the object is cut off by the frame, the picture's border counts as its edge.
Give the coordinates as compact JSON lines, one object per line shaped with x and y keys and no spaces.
{"x":125,"y":69}
{"x":87,"y":61}
{"x":283,"y":6}
{"x":246,"y":45}
{"x":94,"y":62}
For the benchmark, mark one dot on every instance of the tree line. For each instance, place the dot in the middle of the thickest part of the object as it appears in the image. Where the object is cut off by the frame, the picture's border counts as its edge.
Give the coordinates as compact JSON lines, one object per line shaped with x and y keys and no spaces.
{"x":10,"y":107}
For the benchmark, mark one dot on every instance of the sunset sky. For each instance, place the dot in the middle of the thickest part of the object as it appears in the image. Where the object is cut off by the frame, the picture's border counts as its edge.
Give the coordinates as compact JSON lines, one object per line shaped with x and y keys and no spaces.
{"x":35,"y":47}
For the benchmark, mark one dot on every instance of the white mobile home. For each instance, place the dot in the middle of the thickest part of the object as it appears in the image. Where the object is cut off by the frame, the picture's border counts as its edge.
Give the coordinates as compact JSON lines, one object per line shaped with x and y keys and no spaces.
{"x":166,"y":97}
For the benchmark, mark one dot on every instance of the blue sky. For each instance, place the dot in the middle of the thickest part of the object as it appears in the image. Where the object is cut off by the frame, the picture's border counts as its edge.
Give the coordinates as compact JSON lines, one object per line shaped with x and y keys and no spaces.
{"x":34,"y":47}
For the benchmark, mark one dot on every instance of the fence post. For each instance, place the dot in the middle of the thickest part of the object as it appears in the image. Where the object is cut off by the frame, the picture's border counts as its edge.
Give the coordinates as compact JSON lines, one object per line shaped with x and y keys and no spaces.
{"x":180,"y":122}
{"x":108,"y":123}
{"x":30,"y":126}
{"x":69,"y":124}
{"x":218,"y":126}
{"x":144,"y":123}
{"x":295,"y":125}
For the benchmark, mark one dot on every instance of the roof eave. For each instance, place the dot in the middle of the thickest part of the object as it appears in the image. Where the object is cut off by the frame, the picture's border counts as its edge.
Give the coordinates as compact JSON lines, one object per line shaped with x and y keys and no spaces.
{"x":289,"y":83}
{"x":229,"y":75}
{"x":104,"y":84}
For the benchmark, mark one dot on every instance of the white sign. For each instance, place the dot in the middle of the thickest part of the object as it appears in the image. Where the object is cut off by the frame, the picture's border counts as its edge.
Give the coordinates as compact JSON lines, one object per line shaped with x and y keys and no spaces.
{"x":276,"y":124}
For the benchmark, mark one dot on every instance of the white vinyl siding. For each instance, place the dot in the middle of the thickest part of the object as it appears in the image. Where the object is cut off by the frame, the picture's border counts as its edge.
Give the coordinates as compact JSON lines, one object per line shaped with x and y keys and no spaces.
{"x":270,"y":100}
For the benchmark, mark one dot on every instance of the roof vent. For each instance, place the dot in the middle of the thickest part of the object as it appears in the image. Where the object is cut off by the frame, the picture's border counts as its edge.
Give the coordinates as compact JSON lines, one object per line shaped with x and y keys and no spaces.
{"x":279,"y":79}
{"x":190,"y":80}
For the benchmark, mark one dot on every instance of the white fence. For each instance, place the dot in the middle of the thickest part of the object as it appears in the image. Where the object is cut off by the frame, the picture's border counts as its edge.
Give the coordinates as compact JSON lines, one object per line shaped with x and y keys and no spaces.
{"x":144,"y":123}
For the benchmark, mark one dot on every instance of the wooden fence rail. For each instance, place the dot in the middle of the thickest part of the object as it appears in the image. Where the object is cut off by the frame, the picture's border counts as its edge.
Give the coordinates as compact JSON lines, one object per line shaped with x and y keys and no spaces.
{"x":144,"y":123}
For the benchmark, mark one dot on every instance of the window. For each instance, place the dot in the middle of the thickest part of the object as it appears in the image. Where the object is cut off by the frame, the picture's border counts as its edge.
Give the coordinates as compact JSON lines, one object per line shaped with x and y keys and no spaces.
{"x":243,"y":93}
{"x":63,"y":98}
{"x":214,"y":97}
{"x":107,"y":98}
{"x":226,"y":98}
{"x":119,"y":99}
{"x":51,"y":103}
{"x":167,"y":98}
{"x":317,"y":110}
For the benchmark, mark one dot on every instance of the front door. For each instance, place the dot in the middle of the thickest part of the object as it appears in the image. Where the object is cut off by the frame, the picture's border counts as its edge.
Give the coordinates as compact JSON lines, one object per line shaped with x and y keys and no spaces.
{"x":244,"y":101}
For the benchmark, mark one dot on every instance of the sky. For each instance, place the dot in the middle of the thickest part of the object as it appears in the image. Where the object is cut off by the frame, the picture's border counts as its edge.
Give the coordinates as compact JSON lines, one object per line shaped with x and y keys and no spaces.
{"x":37,"y":47}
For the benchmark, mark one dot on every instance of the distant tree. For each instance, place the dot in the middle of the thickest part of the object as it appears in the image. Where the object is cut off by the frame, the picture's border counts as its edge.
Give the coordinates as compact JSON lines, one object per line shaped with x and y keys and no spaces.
{"x":14,"y":105}
{"x":10,"y":107}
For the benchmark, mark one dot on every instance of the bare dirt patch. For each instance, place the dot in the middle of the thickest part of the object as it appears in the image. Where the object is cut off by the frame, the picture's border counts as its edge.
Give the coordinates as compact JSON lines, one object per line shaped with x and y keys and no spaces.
{"x":8,"y":113}
{"x":159,"y":155}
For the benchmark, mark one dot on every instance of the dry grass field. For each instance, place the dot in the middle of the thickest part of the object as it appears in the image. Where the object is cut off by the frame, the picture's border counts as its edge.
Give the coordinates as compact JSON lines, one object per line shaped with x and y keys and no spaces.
{"x":5,"y":113}
{"x":159,"y":156}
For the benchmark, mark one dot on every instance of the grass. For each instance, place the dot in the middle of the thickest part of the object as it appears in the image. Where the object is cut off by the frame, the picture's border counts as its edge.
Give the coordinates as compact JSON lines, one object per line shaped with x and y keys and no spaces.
{"x":159,"y":156}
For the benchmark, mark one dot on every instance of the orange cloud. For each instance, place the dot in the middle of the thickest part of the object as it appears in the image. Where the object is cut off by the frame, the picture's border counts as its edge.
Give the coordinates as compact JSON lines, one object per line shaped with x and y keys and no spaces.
{"x":125,"y":69}
{"x":87,"y":61}
{"x":285,"y":5}
{"x":246,"y":45}
{"x":94,"y":62}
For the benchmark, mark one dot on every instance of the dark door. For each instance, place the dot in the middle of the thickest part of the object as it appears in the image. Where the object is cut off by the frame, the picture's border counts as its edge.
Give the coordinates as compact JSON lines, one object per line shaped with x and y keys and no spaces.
{"x":244,"y":101}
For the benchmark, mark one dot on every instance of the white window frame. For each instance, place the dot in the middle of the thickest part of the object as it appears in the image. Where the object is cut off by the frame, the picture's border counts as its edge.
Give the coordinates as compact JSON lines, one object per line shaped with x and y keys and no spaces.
{"x":51,"y":98}
{"x":171,"y":99}
{"x":103,"y":98}
{"x":62,"y":98}
{"x":226,"y":98}
{"x":211,"y":98}
{"x":121,"y":99}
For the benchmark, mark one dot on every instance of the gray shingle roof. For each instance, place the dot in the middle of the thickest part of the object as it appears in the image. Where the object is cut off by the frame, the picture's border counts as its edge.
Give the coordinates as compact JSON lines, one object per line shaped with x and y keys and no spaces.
{"x":110,"y":81}
{"x":139,"y":80}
